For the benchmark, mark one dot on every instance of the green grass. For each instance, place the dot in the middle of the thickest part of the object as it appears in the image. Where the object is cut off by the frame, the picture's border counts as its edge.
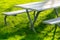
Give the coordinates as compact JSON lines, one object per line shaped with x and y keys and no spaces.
{"x":18,"y":26}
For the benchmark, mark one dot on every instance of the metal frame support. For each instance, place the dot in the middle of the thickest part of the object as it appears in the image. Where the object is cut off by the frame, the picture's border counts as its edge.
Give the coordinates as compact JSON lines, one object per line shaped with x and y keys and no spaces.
{"x":5,"y":20}
{"x":36,"y":16}
{"x":55,"y":9}
{"x":31,"y":22}
{"x":54,"y":32}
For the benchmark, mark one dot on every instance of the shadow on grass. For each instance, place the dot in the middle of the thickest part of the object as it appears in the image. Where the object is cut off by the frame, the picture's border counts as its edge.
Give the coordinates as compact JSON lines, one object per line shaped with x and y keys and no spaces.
{"x":30,"y":35}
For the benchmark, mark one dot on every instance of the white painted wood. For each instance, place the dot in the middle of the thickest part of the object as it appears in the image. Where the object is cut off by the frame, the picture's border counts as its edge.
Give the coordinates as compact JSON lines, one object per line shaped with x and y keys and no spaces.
{"x":52,"y":21}
{"x":15,"y":12}
{"x":39,"y":6}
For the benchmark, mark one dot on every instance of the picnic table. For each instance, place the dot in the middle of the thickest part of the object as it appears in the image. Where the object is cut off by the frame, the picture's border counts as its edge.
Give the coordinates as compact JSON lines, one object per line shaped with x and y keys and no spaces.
{"x":38,"y":6}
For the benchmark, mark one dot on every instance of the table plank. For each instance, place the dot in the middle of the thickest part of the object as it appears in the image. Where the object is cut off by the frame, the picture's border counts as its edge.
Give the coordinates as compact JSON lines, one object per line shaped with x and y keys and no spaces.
{"x":38,"y":6}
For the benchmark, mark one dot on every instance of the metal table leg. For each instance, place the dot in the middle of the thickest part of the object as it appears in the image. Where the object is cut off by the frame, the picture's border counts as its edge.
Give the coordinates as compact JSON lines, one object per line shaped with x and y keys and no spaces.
{"x":55,"y":9}
{"x":36,"y":16}
{"x":56,"y":12}
{"x":31,"y":22}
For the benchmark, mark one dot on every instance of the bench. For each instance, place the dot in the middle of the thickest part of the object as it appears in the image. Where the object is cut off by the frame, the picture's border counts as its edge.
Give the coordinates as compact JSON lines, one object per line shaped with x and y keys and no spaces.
{"x":52,"y":21}
{"x":12,"y":13}
{"x":55,"y":21}
{"x":15,"y":12}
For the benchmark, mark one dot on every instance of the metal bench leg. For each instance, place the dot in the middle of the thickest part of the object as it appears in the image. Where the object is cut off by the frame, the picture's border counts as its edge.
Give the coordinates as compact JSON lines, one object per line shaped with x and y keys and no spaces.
{"x":54,"y":32}
{"x":36,"y":16}
{"x":31,"y":22}
{"x":5,"y":20}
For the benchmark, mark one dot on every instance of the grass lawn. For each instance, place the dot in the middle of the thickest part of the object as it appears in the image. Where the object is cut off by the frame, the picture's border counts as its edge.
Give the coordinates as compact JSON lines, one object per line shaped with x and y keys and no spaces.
{"x":18,"y":26}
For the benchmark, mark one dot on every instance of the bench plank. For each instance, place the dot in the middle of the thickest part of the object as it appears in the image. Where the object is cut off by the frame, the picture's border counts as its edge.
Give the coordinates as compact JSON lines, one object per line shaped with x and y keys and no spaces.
{"x":15,"y":12}
{"x":52,"y":21}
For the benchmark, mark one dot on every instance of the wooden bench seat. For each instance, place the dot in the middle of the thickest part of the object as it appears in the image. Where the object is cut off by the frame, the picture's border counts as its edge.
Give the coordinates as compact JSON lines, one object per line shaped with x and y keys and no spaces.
{"x":52,"y":21}
{"x":15,"y":12}
{"x":12,"y":13}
